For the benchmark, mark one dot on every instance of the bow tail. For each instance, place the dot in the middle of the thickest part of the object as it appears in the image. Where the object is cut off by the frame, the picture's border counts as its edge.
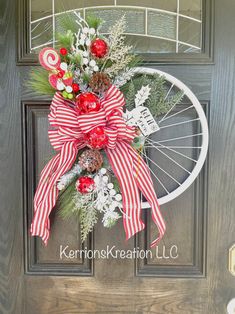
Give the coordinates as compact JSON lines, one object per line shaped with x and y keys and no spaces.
{"x":145,"y":184}
{"x":133,"y":175}
{"x":122,"y":165}
{"x":47,"y":192}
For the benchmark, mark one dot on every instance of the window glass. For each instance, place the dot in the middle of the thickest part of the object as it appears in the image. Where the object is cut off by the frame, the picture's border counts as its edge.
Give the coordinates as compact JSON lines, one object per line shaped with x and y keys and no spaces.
{"x":157,"y":26}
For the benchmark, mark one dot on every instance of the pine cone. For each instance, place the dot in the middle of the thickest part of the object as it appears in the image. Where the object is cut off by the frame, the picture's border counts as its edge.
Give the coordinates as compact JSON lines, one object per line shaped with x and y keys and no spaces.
{"x":99,"y":82}
{"x":90,"y":160}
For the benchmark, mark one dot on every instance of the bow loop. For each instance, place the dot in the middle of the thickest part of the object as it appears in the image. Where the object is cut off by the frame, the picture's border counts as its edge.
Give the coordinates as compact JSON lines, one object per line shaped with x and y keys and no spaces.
{"x":113,"y":101}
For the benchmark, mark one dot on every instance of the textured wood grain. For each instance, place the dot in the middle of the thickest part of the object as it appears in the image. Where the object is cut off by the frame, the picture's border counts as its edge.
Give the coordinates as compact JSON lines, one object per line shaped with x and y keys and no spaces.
{"x":11,"y":252}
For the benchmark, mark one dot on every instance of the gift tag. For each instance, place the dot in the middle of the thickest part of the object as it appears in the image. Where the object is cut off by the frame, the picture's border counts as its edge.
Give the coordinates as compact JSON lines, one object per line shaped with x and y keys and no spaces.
{"x":142,"y":117}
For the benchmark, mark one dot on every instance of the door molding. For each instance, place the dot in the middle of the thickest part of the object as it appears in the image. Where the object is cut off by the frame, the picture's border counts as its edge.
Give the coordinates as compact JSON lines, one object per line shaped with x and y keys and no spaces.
{"x":31,"y":110}
{"x":197,"y":266}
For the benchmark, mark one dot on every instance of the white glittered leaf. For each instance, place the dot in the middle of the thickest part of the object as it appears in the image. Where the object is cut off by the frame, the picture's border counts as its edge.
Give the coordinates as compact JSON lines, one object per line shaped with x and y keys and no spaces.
{"x":142,"y":95}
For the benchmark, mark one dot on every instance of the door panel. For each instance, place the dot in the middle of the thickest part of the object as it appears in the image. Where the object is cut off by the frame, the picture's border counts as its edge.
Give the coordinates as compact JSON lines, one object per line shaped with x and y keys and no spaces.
{"x":200,"y":222}
{"x":181,"y":253}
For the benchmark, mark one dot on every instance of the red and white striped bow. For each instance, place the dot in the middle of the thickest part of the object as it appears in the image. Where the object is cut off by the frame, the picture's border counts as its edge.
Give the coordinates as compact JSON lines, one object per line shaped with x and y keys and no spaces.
{"x":68,"y":136}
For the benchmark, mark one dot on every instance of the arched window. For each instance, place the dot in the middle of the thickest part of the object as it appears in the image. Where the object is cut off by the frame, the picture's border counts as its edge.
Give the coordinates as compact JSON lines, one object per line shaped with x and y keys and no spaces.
{"x":158,"y":26}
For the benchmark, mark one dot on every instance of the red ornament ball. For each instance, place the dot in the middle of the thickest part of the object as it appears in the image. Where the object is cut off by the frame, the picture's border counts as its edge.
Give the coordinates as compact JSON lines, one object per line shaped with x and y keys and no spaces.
{"x":75,"y":87}
{"x":97,"y":138}
{"x":99,"y":48}
{"x":88,"y":102}
{"x":85,"y":185}
{"x":63,"y":51}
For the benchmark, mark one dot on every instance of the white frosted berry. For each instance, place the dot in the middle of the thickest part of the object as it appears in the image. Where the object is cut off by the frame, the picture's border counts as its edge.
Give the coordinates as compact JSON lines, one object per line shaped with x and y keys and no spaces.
{"x":92,"y":63}
{"x":105,"y":179}
{"x":92,"y":31}
{"x":102,"y":199}
{"x":68,"y":89}
{"x":112,"y":206}
{"x":82,"y":42}
{"x":112,"y":192}
{"x":85,"y":30}
{"x":60,"y":85}
{"x":103,"y":170}
{"x":83,"y":36}
{"x":63,"y":66}
{"x":85,"y":54}
{"x":85,"y":61}
{"x":118,"y":197}
{"x":96,"y":68}
{"x":88,"y":42}
{"x":110,"y":186}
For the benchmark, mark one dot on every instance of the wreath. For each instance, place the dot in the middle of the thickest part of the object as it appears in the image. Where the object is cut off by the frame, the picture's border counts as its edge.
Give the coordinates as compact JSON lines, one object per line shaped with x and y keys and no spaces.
{"x":101,"y":112}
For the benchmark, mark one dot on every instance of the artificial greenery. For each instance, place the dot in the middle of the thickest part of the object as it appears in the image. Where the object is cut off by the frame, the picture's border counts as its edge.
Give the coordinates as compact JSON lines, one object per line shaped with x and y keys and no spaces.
{"x":158,"y":102}
{"x":94,"y":21}
{"x":65,"y":39}
{"x":88,"y":218}
{"x":65,"y":204}
{"x":38,"y":82}
{"x":72,"y":203}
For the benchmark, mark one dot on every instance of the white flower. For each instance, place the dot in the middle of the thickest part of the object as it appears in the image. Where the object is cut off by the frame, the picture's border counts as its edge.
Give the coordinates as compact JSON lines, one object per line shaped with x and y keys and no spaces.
{"x":96,"y":68}
{"x":82,"y":42}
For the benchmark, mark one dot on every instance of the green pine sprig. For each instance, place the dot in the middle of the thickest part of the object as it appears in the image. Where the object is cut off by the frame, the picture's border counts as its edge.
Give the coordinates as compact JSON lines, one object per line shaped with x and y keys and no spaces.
{"x":65,"y":204}
{"x":38,"y":82}
{"x":157,"y":102}
{"x":94,"y":21}
{"x":65,"y":40}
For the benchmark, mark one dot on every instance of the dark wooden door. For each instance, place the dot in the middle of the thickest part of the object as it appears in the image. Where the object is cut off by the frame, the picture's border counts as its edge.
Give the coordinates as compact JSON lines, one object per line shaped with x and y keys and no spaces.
{"x":188,"y":272}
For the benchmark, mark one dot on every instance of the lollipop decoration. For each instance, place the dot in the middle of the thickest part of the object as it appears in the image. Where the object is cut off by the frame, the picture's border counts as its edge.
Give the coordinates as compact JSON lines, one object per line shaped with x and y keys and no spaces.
{"x":49,"y":59}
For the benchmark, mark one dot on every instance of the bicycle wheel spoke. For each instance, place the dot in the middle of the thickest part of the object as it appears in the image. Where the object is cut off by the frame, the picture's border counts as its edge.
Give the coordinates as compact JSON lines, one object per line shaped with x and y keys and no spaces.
{"x":179,"y":123}
{"x":178,"y":147}
{"x":167,"y":113}
{"x":170,"y":89}
{"x":173,"y":150}
{"x":155,"y":176}
{"x":170,"y":176}
{"x":176,"y":138}
{"x":175,"y":114}
{"x":175,"y":162}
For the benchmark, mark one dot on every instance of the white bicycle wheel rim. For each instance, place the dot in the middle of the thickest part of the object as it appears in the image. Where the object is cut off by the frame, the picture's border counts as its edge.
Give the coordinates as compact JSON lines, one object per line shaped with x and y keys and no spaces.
{"x":205,"y":138}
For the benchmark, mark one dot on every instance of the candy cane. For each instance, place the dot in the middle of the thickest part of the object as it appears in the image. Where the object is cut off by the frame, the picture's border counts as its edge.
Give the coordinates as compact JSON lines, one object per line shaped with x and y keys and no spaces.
{"x":49,"y":58}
